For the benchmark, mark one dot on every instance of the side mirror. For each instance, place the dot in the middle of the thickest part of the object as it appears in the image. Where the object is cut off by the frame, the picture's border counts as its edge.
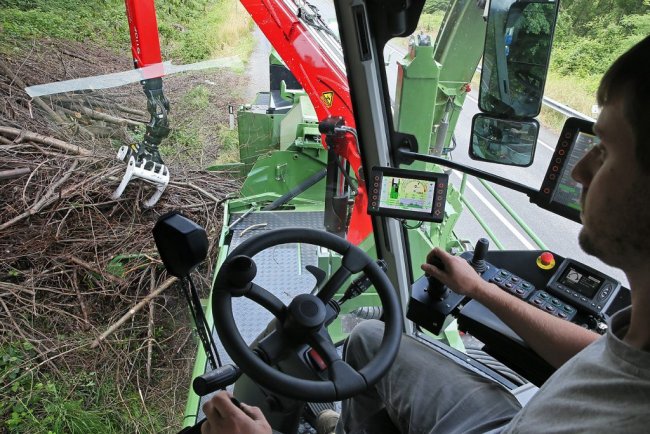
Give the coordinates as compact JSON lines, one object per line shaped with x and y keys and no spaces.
{"x":516,"y":57}
{"x":503,"y":141}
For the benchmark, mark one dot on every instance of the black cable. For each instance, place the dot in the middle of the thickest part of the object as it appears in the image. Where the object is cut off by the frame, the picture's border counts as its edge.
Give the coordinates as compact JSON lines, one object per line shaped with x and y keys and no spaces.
{"x":410,"y":227}
{"x":201,"y":325}
{"x":206,"y":328}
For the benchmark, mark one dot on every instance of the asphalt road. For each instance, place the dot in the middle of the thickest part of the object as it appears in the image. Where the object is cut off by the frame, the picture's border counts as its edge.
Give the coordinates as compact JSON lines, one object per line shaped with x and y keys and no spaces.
{"x":557,"y":233}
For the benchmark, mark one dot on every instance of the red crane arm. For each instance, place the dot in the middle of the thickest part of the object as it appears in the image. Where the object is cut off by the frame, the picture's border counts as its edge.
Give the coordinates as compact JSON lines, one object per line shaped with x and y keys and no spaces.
{"x":145,"y":45}
{"x":325,"y":83}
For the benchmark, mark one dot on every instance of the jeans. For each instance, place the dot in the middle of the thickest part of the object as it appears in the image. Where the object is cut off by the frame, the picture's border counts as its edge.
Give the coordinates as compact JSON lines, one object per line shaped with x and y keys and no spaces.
{"x":423,"y":392}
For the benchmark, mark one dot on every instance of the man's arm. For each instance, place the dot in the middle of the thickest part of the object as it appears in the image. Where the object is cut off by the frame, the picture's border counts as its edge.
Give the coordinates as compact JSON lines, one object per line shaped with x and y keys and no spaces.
{"x":554,"y":339}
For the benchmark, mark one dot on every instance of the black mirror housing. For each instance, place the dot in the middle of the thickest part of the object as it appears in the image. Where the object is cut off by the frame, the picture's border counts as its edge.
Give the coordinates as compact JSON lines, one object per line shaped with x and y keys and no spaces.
{"x":503,"y":141}
{"x":516,"y":57}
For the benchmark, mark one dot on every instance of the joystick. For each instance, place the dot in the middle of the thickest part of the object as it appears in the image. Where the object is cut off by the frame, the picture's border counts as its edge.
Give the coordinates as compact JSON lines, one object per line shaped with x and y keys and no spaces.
{"x":436,"y":288}
{"x":478,"y":259}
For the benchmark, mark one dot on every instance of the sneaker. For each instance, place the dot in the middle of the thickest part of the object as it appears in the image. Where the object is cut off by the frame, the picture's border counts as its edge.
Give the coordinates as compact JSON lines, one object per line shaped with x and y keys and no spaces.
{"x":326,"y":422}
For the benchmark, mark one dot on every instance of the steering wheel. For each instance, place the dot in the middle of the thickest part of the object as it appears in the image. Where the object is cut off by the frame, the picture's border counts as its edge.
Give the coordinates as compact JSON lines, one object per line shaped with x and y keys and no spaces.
{"x":303,"y":321}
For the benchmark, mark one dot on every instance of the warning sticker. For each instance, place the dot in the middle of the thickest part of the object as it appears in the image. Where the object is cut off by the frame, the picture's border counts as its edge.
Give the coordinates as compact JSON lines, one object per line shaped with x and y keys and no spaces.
{"x":327,"y":98}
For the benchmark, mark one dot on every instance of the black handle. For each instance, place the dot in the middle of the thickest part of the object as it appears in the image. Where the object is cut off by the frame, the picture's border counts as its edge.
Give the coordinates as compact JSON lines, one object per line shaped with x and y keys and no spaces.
{"x":436,"y":288}
{"x":216,"y":379}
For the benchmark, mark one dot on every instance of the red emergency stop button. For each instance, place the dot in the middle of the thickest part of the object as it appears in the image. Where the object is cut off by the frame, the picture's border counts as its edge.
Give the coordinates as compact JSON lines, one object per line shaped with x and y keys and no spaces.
{"x":546,"y":261}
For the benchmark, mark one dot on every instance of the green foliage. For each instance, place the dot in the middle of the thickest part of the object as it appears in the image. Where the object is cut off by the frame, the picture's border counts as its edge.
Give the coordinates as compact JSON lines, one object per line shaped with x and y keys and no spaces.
{"x":432,"y":6}
{"x":222,"y":28}
{"x":75,"y":20}
{"x":591,"y":34}
{"x":191,"y":30}
{"x":39,"y":403}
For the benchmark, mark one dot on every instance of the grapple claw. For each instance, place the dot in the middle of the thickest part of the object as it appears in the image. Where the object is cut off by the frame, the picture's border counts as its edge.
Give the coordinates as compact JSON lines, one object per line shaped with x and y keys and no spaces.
{"x":155,"y":173}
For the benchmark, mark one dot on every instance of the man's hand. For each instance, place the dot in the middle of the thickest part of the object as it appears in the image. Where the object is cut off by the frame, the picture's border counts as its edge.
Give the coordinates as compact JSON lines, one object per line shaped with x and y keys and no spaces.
{"x":458,"y":275}
{"x":224,"y":417}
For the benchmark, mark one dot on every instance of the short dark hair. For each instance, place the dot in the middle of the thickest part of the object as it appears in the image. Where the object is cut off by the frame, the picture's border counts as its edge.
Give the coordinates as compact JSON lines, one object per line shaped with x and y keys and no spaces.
{"x":629,"y":78}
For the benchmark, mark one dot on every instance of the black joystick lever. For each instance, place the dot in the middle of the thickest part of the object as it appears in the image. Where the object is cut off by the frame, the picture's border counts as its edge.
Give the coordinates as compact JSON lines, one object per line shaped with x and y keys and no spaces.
{"x":478,"y":259}
{"x":436,"y":288}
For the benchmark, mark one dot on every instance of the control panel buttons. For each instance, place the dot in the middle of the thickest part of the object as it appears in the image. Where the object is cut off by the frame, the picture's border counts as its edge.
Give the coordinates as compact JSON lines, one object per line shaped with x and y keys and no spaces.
{"x":544,"y":301}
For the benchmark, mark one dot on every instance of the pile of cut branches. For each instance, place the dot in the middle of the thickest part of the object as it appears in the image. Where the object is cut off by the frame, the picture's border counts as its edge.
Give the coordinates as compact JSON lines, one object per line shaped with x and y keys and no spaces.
{"x":80,"y":279}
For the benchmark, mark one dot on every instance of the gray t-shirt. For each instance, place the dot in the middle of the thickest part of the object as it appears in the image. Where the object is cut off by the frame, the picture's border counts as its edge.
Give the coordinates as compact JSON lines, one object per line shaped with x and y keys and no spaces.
{"x":603,"y":389}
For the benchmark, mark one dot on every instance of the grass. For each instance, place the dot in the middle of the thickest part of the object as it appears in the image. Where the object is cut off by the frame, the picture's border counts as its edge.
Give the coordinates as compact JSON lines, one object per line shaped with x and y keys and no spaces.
{"x":86,"y":402}
{"x":577,"y":93}
{"x":198,"y":98}
{"x":229,"y":151}
{"x":190,"y":30}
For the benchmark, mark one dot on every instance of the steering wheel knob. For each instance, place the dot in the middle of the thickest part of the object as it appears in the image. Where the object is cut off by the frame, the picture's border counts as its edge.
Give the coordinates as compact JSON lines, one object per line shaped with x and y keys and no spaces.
{"x":241,"y":272}
{"x":306,"y":313}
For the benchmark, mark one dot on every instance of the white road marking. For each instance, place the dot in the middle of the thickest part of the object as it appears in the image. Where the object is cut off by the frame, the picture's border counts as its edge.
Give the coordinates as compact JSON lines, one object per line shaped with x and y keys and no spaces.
{"x":498,"y":215}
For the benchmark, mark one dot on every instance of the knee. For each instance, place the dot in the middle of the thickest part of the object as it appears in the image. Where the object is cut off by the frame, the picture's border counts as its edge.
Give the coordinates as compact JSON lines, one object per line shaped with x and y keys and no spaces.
{"x":364,"y":341}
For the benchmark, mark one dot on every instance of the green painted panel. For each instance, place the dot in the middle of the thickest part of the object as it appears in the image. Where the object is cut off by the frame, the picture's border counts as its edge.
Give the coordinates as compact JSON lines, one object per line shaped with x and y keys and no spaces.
{"x":259,"y":134}
{"x":281,"y":171}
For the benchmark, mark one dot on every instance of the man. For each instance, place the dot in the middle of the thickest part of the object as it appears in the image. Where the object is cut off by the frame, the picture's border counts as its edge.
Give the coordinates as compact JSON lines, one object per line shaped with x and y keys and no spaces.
{"x":602,"y":383}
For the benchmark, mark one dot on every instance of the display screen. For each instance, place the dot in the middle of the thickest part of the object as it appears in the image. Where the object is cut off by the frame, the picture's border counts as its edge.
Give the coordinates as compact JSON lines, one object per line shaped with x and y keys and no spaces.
{"x":580,"y":281}
{"x":407,"y":194}
{"x":567,"y":192}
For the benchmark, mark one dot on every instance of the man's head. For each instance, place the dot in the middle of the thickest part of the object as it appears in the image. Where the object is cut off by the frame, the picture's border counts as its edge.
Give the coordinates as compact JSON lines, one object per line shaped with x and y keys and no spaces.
{"x":616,"y":174}
{"x":629,"y":79}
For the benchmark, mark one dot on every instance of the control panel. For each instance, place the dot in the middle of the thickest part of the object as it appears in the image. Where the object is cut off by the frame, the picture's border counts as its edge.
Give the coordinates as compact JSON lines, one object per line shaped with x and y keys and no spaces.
{"x":561,"y":287}
{"x":573,"y":289}
{"x":407,"y":194}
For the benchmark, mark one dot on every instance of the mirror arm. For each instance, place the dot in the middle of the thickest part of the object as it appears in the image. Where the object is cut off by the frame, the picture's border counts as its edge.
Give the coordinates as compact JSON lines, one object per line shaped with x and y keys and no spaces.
{"x":406,"y":155}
